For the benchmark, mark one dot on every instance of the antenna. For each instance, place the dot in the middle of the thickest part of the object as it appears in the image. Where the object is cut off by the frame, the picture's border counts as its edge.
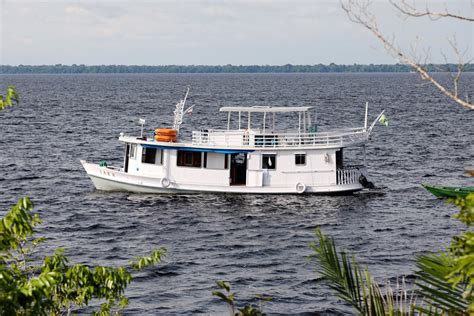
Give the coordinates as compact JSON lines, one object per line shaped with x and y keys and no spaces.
{"x":179,"y":112}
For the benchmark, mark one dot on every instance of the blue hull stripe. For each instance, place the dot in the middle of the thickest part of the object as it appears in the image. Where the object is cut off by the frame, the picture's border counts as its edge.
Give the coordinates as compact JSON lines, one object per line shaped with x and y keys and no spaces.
{"x":205,"y":150}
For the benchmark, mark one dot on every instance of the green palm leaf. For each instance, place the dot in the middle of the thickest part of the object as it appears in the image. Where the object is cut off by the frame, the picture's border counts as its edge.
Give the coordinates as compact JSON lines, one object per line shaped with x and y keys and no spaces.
{"x":434,"y":287}
{"x":346,"y":278}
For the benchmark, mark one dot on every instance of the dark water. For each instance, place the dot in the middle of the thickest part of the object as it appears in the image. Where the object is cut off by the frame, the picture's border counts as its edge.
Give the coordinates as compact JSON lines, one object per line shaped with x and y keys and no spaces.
{"x":259,"y":243}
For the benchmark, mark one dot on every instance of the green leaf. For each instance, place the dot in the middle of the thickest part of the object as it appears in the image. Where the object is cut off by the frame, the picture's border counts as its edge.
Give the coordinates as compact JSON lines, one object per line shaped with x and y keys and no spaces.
{"x":224,"y":285}
{"x":143,"y":262}
{"x":223,"y":297}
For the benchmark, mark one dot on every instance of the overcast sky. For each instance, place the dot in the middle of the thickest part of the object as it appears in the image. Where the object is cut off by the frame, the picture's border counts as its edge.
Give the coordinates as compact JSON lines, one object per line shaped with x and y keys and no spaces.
{"x":215,"y":32}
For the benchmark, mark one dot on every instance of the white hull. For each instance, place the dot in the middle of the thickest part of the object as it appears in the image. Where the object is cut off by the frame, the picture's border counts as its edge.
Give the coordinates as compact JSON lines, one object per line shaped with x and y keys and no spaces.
{"x":107,"y":179}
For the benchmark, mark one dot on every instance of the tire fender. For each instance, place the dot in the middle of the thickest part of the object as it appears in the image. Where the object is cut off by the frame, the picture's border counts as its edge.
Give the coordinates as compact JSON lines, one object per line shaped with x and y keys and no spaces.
{"x":165,"y":182}
{"x":300,"y":187}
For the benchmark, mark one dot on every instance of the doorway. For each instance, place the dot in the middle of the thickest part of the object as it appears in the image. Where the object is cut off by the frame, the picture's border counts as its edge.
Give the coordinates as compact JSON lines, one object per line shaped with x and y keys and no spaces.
{"x":339,"y":159}
{"x":238,"y":169}
{"x":127,"y":157}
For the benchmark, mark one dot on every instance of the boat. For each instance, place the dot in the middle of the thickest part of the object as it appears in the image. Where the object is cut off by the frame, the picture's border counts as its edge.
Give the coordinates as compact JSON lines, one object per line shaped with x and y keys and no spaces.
{"x":251,"y":155}
{"x":449,"y":192}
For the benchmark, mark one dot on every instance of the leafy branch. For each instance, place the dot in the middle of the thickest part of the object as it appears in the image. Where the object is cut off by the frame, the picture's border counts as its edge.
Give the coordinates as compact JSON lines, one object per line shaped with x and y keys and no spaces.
{"x":10,"y":98}
{"x":55,"y":286}
{"x":229,"y":298}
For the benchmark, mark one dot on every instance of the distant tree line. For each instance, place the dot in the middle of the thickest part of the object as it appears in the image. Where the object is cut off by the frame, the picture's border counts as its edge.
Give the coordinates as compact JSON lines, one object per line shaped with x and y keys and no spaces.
{"x":319,"y":68}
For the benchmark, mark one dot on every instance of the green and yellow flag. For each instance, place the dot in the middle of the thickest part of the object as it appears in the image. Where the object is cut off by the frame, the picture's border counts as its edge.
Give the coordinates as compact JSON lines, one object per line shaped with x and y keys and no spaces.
{"x":383,"y":120}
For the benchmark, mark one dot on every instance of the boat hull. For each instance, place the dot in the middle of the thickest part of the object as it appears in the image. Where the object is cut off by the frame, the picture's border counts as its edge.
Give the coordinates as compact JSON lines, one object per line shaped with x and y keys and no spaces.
{"x":108,"y":179}
{"x":449,"y":192}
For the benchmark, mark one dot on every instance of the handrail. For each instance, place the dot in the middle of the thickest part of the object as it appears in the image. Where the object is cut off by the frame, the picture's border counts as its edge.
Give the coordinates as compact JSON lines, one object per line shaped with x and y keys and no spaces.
{"x":253,"y":138}
{"x":347,"y":175}
{"x":114,"y":168}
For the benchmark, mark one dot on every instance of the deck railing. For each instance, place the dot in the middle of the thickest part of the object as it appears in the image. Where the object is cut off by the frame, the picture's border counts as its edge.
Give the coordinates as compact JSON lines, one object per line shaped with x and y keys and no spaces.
{"x":348,"y":175}
{"x":255,"y":139}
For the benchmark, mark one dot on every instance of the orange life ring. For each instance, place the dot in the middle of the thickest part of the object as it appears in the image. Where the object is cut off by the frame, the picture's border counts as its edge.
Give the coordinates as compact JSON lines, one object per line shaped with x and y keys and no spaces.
{"x":165,"y":132}
{"x":164,"y":138}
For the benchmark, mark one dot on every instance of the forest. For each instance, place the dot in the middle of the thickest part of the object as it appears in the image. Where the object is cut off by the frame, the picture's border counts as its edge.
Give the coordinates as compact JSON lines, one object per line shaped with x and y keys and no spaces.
{"x":288,"y":68}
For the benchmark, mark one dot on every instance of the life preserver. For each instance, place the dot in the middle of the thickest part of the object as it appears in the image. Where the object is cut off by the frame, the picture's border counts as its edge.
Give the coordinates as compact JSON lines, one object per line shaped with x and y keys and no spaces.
{"x":300,"y":187}
{"x":165,"y":182}
{"x":165,"y":132}
{"x":166,"y":139}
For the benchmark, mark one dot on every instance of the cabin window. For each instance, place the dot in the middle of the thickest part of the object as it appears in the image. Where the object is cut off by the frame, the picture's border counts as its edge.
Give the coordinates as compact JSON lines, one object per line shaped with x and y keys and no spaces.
{"x":133,"y":151}
{"x":268,"y":161}
{"x":152,"y":155}
{"x":300,"y":159}
{"x":189,"y":159}
{"x":215,"y":161}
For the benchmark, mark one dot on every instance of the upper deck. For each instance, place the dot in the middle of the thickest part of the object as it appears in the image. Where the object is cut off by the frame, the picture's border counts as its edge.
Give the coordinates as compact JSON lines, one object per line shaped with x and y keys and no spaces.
{"x":266,"y":136}
{"x":263,"y":135}
{"x":257,"y":139}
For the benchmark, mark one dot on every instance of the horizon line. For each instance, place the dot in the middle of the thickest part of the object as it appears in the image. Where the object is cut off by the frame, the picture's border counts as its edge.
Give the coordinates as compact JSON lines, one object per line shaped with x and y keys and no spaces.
{"x":226,"y":65}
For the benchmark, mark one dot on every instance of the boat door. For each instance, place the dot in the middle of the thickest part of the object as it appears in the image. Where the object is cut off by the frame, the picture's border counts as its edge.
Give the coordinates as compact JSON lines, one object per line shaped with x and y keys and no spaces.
{"x":238,"y":169}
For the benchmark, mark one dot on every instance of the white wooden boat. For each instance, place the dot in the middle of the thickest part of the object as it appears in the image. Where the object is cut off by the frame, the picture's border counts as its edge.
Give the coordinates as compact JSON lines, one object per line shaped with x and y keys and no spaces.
{"x":251,"y":155}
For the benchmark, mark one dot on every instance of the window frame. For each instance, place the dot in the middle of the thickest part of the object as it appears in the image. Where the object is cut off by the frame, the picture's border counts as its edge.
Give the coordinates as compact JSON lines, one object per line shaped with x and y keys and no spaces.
{"x":183,"y":155}
{"x":269,"y":156}
{"x":155,"y":160}
{"x":300,"y":155}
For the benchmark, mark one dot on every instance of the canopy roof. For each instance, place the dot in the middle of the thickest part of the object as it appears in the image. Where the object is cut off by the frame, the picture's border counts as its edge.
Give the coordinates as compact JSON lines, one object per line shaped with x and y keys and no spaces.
{"x":264,"y":109}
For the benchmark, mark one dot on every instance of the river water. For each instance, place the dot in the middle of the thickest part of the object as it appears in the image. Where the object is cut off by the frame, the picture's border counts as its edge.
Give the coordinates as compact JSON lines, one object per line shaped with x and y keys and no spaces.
{"x":259,"y":243}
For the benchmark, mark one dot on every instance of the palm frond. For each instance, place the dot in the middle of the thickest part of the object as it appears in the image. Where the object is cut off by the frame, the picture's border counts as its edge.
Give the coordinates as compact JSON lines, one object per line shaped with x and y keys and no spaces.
{"x":355,"y":287}
{"x":434,"y":287}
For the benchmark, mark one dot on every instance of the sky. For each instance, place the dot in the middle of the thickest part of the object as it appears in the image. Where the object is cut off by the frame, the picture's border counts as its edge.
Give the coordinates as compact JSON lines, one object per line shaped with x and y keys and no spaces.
{"x":218,"y":32}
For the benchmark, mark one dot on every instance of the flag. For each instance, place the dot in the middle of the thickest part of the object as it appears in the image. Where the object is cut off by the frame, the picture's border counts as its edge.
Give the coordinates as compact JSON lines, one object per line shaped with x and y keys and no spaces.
{"x":189,"y":110}
{"x":383,"y":120}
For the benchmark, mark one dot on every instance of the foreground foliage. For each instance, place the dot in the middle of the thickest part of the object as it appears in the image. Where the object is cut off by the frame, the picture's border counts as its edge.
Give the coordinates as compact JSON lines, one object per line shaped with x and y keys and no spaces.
{"x":54,"y":286}
{"x":10,"y":98}
{"x":444,"y":283}
{"x":446,"y":278}
{"x":229,"y":298}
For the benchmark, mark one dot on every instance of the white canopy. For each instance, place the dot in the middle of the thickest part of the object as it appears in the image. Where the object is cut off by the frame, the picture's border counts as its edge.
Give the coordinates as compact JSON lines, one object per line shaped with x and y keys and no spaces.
{"x":264,"y":109}
{"x":303,"y":114}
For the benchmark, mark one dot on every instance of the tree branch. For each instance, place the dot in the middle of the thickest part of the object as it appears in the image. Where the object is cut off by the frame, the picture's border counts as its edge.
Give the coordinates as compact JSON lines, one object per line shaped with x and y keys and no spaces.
{"x":358,"y":13}
{"x":410,"y":10}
